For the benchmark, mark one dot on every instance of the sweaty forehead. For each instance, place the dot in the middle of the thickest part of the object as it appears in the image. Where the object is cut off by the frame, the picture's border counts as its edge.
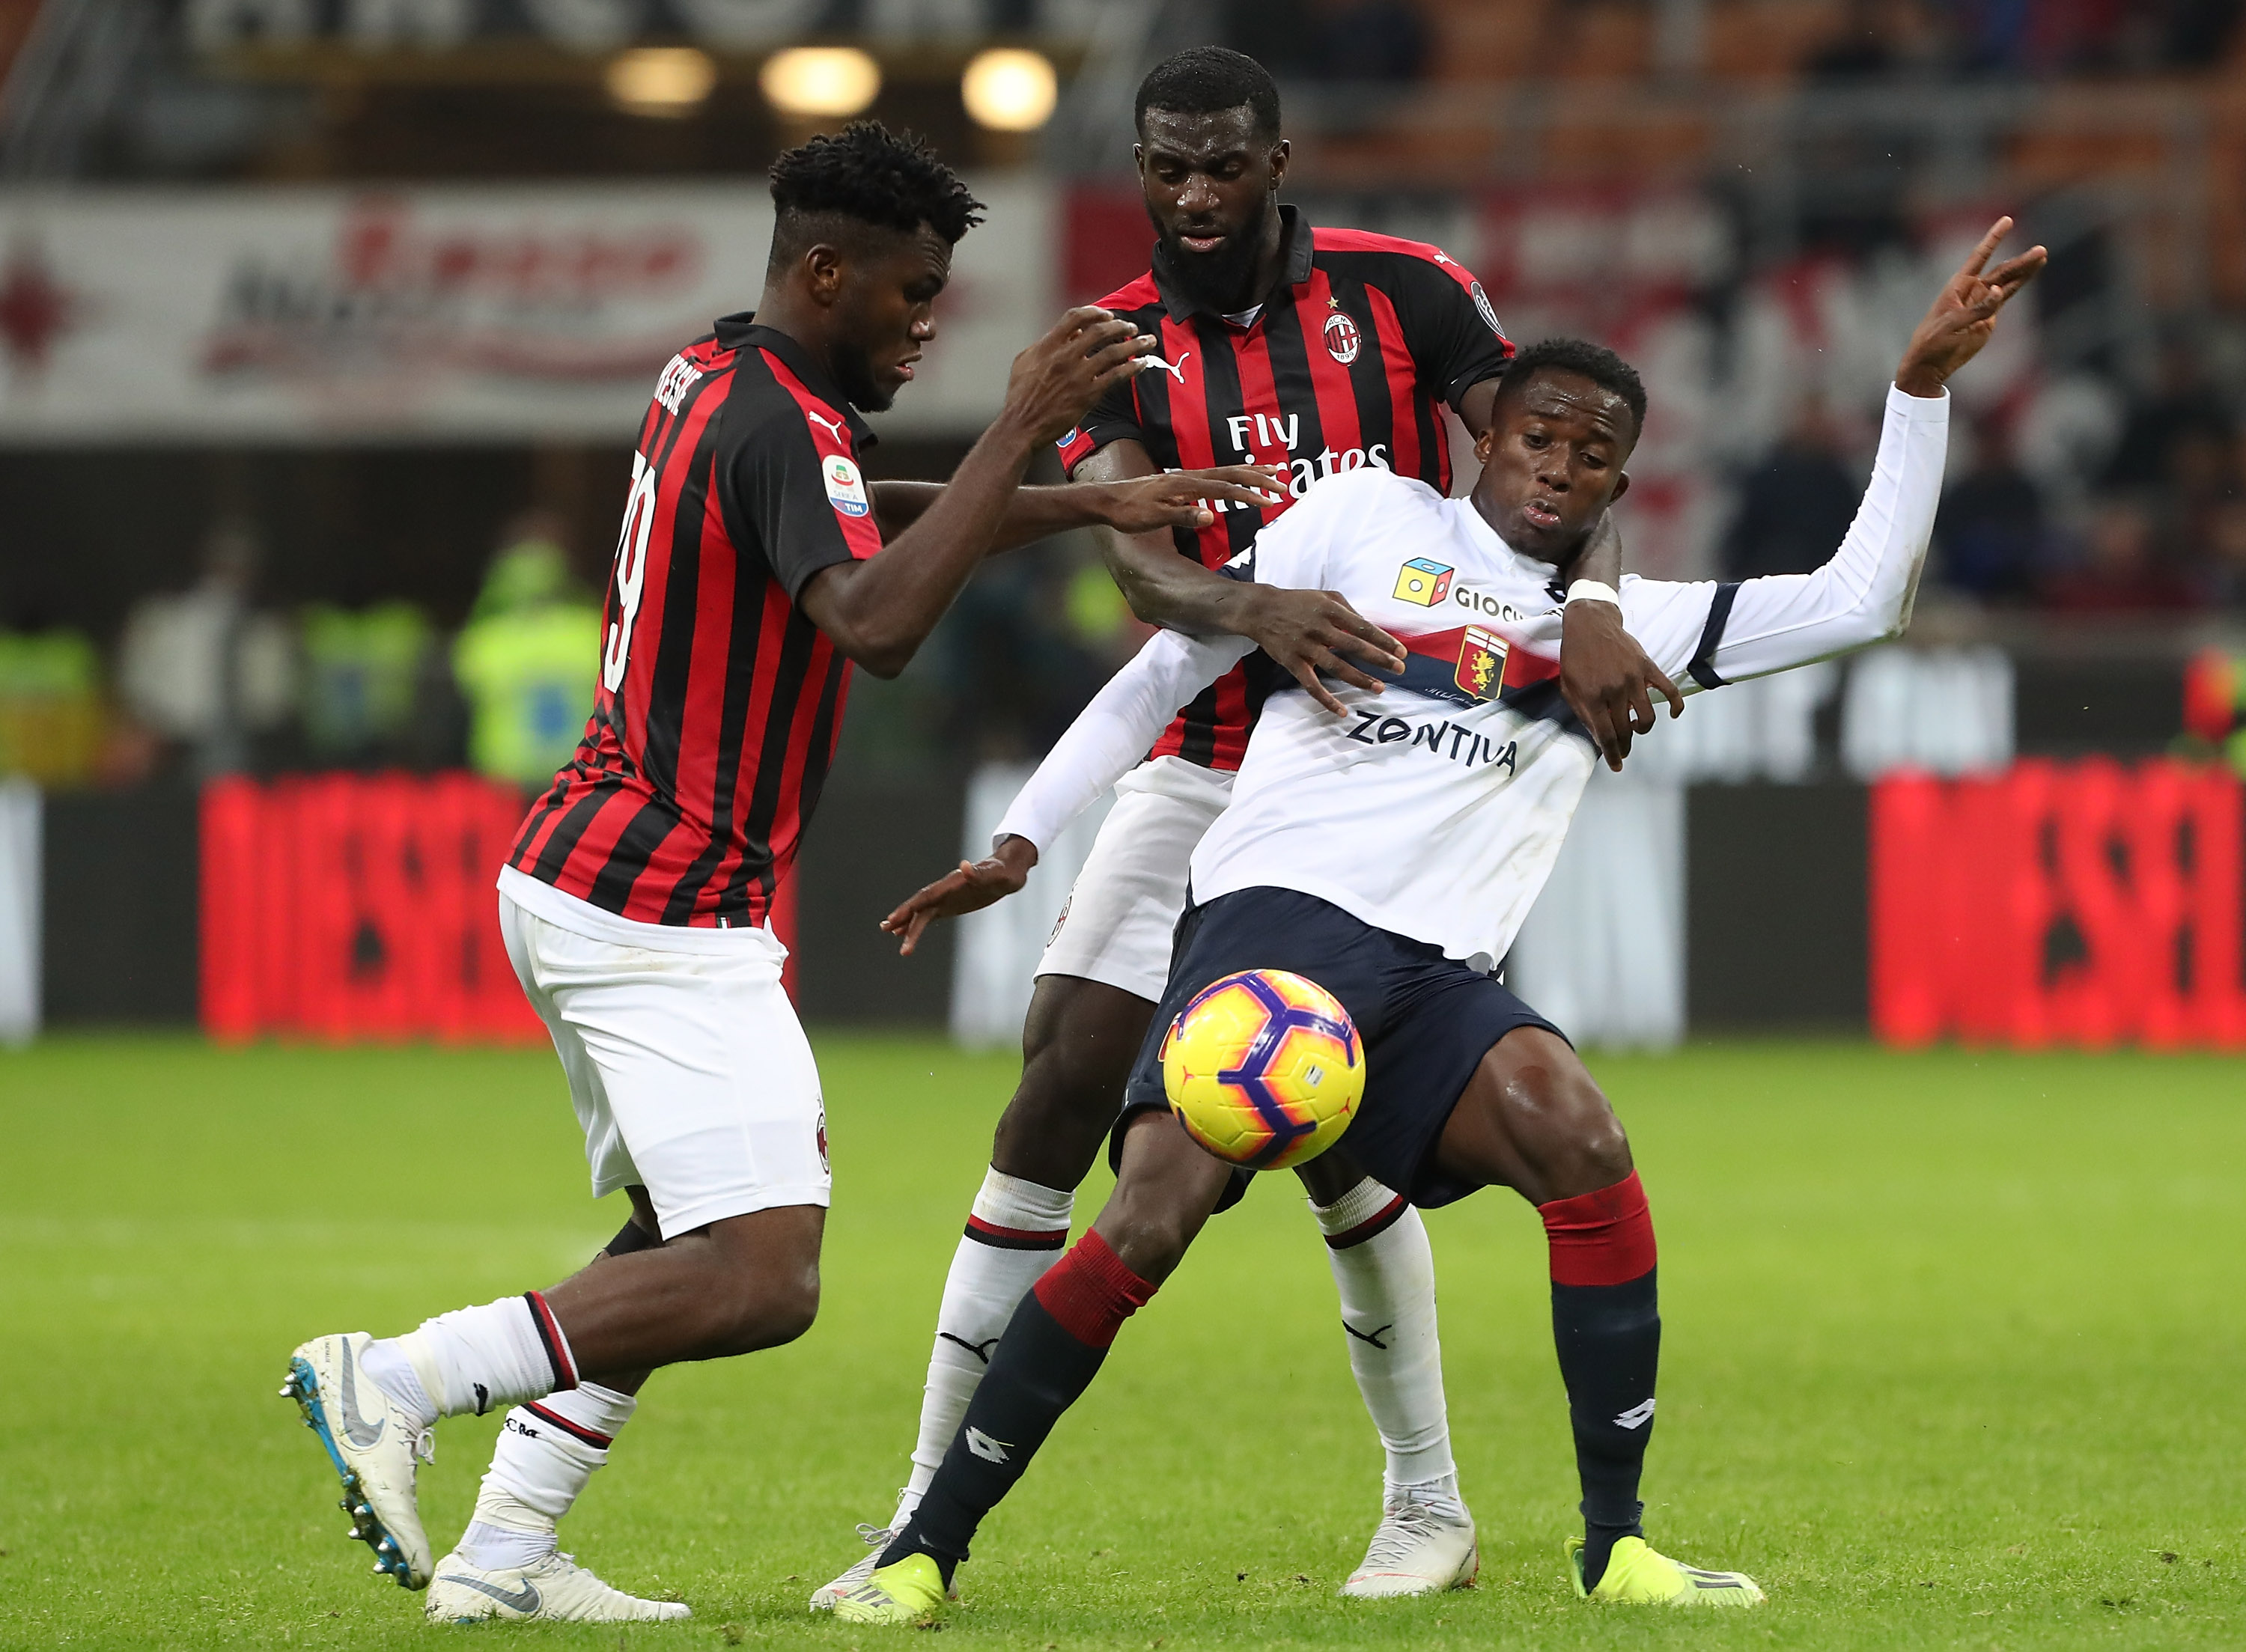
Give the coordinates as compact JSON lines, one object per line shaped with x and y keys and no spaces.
{"x":1570,"y":398}
{"x":1202,"y":138}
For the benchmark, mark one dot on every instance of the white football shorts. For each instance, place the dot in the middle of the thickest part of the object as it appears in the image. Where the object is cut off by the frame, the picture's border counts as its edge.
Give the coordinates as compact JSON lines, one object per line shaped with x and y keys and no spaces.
{"x":1116,"y":925}
{"x":687,"y":1066}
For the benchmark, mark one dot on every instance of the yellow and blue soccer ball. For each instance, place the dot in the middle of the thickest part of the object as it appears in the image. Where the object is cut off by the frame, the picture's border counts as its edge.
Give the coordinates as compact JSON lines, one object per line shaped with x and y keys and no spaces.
{"x":1263,"y":1068}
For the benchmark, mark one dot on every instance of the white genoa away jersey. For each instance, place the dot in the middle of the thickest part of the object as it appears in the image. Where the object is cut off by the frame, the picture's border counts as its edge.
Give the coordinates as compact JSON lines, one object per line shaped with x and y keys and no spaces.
{"x":1435,"y":809}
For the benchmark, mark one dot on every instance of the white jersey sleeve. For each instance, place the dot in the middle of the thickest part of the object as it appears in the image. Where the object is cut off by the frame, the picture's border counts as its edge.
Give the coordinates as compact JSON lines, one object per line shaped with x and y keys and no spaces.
{"x":1111,"y":735}
{"x":1718,"y":634}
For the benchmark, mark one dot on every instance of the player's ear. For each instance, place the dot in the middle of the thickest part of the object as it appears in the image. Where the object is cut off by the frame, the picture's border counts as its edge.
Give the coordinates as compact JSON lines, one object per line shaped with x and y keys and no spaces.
{"x":1486,"y":444}
{"x":1280,"y":151}
{"x":822,"y":272}
{"x":1622,"y":487}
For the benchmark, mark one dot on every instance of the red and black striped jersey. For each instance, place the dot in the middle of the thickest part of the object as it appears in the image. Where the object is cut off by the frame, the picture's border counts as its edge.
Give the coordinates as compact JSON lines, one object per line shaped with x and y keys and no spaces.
{"x":1341,"y":368}
{"x":719,"y":701}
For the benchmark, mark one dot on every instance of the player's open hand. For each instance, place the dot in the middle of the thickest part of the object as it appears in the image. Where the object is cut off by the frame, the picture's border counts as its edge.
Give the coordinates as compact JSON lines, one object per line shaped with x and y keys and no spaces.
{"x":1055,"y":381}
{"x":1314,"y":632}
{"x":1964,"y":315}
{"x":1181,"y":499}
{"x":1608,"y":680}
{"x":975,"y":885}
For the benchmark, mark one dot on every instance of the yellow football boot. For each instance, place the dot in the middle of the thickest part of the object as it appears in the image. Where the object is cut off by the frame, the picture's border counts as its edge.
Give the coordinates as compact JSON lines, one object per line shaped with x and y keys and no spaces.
{"x":904,"y":1592}
{"x":1635,"y":1575}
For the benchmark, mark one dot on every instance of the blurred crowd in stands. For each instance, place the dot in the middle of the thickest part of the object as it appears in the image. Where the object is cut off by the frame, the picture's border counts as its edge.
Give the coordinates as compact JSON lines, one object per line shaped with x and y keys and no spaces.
{"x":1374,"y":40}
{"x":211,"y":680}
{"x":2156,"y":522}
{"x":2109,"y":484}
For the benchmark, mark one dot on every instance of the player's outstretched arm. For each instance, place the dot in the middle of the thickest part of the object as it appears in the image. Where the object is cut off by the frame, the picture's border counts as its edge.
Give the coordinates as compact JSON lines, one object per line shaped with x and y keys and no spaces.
{"x":879,"y":610}
{"x":1864,"y":593}
{"x":1105,"y":742}
{"x":1307,"y":632}
{"x":1141,"y":505}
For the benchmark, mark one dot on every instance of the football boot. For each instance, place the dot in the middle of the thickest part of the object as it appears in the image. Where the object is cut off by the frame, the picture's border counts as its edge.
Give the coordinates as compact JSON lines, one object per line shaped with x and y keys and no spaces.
{"x":1637,"y":1575}
{"x":376,"y":1446}
{"x":902,"y":1592}
{"x":1417,"y":1549}
{"x":553,"y":1589}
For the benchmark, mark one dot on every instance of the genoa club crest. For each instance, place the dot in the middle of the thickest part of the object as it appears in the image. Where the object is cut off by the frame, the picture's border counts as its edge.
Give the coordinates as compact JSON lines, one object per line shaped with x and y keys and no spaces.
{"x":1343,"y":340}
{"x":1481,"y":663}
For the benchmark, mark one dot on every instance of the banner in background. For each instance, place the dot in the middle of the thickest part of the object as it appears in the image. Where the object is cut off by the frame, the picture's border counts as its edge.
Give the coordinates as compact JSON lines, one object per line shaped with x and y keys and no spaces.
{"x":343,"y":907}
{"x":455,"y":314}
{"x":2083,"y":905}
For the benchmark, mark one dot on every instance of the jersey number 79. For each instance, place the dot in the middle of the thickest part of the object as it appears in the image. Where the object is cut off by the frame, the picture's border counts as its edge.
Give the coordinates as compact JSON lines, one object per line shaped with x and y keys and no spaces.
{"x":631,"y":571}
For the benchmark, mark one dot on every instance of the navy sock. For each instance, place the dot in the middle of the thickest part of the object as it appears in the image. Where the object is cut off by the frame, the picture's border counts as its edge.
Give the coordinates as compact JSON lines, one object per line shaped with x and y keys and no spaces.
{"x":1609,"y":1338}
{"x":1052,"y":1349}
{"x":1606,"y":1327}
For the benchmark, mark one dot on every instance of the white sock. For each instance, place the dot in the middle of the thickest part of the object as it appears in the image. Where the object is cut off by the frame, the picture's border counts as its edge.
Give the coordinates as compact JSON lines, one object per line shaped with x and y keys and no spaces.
{"x":1384,"y":1269}
{"x":546,"y":1454}
{"x":1017,"y":1231}
{"x":474,"y":1358}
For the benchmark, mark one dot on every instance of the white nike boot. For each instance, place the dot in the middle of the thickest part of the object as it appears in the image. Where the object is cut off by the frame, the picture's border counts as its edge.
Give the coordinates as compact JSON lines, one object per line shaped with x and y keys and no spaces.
{"x":1421,"y":1546}
{"x":875,"y":1537}
{"x":554,"y":1588}
{"x":374,"y":1445}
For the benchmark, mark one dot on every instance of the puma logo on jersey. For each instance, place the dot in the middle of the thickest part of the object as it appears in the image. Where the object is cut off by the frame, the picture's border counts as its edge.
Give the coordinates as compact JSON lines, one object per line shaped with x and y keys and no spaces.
{"x":984,"y":1446}
{"x":835,"y":426}
{"x":1177,"y":372}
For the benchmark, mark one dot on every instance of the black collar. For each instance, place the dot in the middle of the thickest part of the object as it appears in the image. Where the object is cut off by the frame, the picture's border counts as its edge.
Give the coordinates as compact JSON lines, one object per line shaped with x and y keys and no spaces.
{"x":1295,"y":240}
{"x":742,"y":332}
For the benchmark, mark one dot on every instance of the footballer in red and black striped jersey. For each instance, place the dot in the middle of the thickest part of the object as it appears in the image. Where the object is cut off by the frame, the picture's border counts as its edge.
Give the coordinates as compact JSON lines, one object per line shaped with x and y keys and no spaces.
{"x":1343,"y":363}
{"x":755,"y":567}
{"x":719,"y":701}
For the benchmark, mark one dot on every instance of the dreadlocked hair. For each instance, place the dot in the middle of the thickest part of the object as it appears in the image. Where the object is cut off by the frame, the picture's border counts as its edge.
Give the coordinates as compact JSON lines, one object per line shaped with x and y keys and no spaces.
{"x":867,"y":172}
{"x":1595,"y":361}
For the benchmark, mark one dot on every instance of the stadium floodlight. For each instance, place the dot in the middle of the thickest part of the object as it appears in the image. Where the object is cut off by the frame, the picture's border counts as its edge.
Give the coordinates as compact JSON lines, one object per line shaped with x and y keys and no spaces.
{"x":811,"y":82}
{"x":669,"y":81}
{"x":1010,"y":88}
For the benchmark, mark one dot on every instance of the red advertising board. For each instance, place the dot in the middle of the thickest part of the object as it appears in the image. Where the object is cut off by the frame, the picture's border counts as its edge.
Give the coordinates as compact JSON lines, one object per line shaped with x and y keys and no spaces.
{"x":2081,"y":905}
{"x":345,"y":907}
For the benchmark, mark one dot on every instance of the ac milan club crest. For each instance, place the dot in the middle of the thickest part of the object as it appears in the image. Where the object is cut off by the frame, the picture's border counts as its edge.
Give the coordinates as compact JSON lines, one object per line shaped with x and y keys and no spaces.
{"x":1343,"y":340}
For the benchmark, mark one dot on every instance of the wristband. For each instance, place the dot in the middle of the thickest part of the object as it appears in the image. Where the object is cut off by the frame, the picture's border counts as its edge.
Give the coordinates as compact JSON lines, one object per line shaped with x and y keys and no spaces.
{"x":1593,"y":591}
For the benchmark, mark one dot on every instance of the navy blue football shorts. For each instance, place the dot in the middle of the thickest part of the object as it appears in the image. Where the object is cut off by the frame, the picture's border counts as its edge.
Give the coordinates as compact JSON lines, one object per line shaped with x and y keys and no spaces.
{"x":1427,"y":1021}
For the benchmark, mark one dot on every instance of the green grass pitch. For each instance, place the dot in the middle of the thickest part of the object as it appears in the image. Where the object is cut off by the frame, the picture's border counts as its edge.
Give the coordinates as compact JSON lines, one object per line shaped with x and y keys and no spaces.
{"x":1954,"y":1355}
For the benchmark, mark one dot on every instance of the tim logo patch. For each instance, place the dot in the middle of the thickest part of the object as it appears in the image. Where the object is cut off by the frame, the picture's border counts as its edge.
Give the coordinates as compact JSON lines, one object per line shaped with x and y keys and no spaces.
{"x":1481,"y":663}
{"x":846,"y":488}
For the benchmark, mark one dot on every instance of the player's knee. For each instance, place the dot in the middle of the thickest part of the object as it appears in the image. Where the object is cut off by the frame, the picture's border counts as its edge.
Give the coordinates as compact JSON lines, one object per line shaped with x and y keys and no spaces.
{"x":1594,"y":1147}
{"x":1150,"y":1243}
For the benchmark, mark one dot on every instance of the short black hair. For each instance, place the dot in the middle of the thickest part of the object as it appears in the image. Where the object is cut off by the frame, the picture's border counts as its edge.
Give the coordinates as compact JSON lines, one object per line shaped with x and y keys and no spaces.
{"x":1595,"y":361}
{"x":1205,"y":80}
{"x":892,"y":180}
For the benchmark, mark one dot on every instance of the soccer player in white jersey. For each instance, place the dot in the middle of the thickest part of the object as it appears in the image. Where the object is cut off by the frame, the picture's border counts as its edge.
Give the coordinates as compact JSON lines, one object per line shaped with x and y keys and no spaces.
{"x":1389,"y":855}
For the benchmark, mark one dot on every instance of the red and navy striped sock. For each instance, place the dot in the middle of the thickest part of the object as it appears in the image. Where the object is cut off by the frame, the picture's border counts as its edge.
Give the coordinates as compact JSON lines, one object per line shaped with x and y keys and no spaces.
{"x":1606,"y":1326}
{"x":1052,"y":1349}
